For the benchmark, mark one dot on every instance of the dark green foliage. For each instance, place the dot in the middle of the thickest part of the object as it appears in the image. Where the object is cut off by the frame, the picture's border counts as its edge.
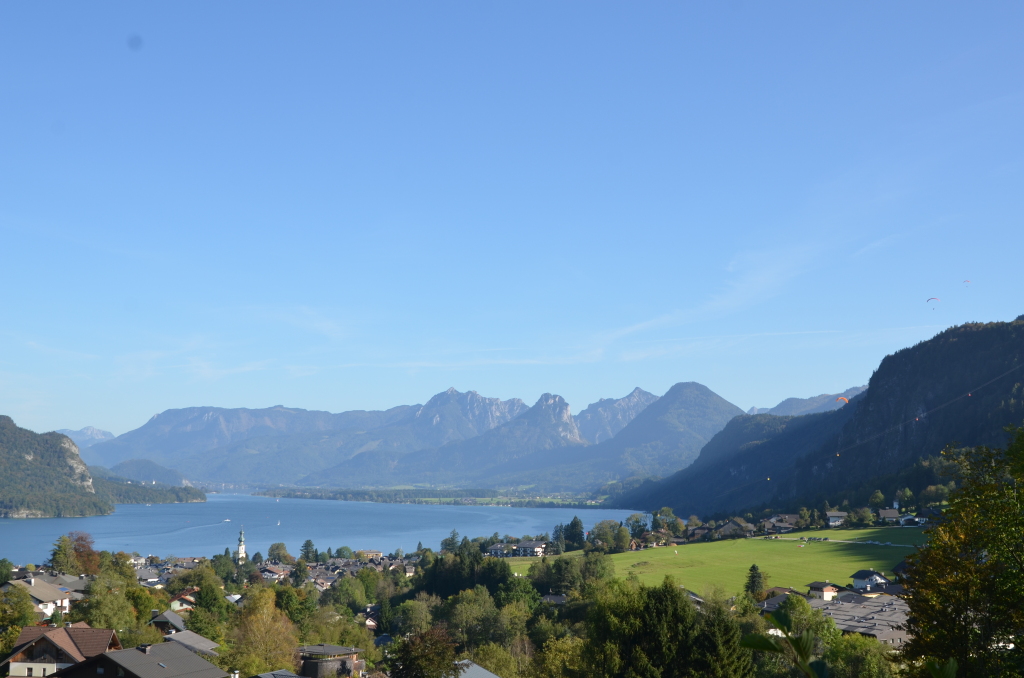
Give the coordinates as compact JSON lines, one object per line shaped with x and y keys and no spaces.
{"x":574,"y":535}
{"x":430,"y":654}
{"x":717,"y":652}
{"x":916,"y":403}
{"x":755,"y":585}
{"x":308,"y":551}
{"x":121,"y":492}
{"x":568,"y":574}
{"x":646,"y":632}
{"x":6,"y":568}
{"x":966,"y":592}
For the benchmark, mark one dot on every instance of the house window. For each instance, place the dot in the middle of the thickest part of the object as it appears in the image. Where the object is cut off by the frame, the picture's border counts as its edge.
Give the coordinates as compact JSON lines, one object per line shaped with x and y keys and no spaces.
{"x":28,"y":671}
{"x":99,"y":670}
{"x":44,"y":672}
{"x":120,"y":671}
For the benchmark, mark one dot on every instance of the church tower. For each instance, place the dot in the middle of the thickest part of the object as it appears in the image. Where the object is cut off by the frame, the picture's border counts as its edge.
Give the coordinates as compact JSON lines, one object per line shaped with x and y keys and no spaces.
{"x":241,"y":546}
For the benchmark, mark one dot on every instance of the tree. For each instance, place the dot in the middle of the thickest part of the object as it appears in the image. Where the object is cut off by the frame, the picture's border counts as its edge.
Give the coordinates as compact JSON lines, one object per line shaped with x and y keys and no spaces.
{"x":877,"y":500}
{"x":451,"y":542}
{"x":299,"y":573}
{"x":965,"y":584}
{"x":430,"y":654}
{"x":717,"y":652}
{"x":264,"y":639}
{"x":87,"y":557}
{"x":755,"y":585}
{"x":346,"y":553}
{"x":105,"y":605}
{"x":574,"y":536}
{"x":635,"y":630}
{"x":279,"y":552}
{"x":308,"y":551}
{"x":6,"y":570}
{"x":62,"y":557}
{"x":497,"y":660}
{"x":637,"y":525}
{"x":857,"y":656}
{"x":257,"y":558}
{"x":559,"y":657}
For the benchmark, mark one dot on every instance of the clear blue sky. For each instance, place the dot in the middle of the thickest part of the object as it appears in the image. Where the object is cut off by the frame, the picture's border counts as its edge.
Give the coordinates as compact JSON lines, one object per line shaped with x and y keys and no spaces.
{"x":357,"y":205}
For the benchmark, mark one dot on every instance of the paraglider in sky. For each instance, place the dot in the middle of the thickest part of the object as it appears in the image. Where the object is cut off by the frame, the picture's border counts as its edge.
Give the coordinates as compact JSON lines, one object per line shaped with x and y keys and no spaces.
{"x":967,"y":281}
{"x":932,"y":299}
{"x":847,"y":400}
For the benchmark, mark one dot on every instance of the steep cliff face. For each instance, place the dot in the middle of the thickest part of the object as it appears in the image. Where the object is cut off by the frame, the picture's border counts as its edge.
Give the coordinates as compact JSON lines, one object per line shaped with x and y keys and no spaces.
{"x":600,"y":421}
{"x":43,"y":475}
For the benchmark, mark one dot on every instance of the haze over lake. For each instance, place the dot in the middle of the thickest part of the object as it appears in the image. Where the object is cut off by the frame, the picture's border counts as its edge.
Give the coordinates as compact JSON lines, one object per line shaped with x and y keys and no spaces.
{"x":208,"y":528}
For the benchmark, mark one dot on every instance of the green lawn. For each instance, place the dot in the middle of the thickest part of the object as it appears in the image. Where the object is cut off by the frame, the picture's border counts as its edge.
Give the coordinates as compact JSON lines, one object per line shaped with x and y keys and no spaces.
{"x":725,"y":563}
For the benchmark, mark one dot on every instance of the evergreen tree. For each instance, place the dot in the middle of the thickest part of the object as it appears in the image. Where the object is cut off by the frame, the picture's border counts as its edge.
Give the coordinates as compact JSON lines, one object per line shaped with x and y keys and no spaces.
{"x":574,"y":535}
{"x":6,"y":570}
{"x":451,"y":542}
{"x":62,"y":557}
{"x":717,"y":651}
{"x":430,"y":654}
{"x":308,"y":551}
{"x":299,"y":573}
{"x":877,"y":500}
{"x":755,"y":585}
{"x":257,"y":558}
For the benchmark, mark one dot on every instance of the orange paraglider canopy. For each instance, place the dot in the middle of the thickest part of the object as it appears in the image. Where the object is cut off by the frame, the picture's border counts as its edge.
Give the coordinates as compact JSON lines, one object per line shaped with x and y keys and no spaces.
{"x":842,"y":398}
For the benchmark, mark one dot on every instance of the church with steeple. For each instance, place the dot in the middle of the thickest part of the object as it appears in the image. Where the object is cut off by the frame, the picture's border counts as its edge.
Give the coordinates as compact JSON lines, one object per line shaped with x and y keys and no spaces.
{"x":241,"y":546}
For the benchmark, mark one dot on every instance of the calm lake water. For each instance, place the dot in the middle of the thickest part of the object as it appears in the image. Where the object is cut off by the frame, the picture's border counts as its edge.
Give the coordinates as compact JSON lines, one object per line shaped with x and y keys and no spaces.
{"x":208,"y":528}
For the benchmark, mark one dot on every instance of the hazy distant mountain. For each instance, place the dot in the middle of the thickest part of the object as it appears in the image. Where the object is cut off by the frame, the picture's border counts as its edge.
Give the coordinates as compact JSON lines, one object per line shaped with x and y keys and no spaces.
{"x":169,"y":437}
{"x":963,"y":385}
{"x":147,"y":471}
{"x":86,"y":437}
{"x":532,"y":440}
{"x":603,"y":419}
{"x":825,"y":402}
{"x":287,"y":458}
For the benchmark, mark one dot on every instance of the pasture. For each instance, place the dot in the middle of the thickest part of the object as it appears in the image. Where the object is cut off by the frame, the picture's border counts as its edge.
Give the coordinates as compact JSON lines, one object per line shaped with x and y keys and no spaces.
{"x":724,"y":564}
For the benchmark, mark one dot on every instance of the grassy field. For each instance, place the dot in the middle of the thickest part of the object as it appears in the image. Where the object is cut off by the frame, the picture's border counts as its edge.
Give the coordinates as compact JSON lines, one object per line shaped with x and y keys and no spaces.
{"x":724,"y":564}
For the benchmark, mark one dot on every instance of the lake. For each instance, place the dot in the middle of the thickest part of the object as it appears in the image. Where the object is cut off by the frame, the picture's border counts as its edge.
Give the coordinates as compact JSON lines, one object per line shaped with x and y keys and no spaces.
{"x":208,"y":528}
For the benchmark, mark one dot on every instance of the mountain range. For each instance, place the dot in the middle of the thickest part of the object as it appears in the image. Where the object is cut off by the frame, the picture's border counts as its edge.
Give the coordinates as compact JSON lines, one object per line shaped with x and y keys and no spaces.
{"x":963,"y":386}
{"x":86,"y":437}
{"x":454,"y":439}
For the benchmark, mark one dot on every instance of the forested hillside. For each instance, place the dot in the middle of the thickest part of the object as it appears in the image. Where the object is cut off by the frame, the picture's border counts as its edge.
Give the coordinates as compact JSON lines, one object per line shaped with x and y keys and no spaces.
{"x":962,"y":386}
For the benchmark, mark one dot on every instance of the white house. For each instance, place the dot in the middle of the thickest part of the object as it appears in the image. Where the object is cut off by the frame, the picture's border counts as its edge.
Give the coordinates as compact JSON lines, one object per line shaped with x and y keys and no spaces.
{"x":822,"y":589}
{"x":866,"y":579}
{"x":46,"y":598}
{"x":835,"y":518}
{"x":530,"y":548}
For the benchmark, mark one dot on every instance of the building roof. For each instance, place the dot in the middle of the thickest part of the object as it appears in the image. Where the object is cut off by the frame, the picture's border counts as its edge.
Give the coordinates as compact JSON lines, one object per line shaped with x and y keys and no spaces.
{"x":889,"y":513}
{"x":170,"y":617}
{"x":867,"y":574}
{"x":836,"y":514}
{"x":472,"y":670}
{"x":531,"y":544}
{"x":880,"y":617}
{"x":328,"y":650}
{"x":78,"y":640}
{"x":193,"y":641}
{"x":822,"y":585}
{"x":280,"y":673}
{"x":40,"y":590}
{"x":166,"y":660}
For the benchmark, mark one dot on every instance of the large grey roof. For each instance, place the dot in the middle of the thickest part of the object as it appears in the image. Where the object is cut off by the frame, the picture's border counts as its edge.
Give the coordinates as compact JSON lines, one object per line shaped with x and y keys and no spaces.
{"x":472,"y":670}
{"x":166,"y":660}
{"x":172,"y":618}
{"x":280,"y":673}
{"x":194,"y":642}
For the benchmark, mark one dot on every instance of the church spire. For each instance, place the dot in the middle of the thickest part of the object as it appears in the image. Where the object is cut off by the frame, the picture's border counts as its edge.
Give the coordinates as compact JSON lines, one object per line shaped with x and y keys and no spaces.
{"x":241,"y":545}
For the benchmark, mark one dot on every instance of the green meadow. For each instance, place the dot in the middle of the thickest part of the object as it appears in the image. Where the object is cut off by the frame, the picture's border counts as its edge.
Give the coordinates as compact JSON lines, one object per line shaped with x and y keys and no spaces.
{"x":724,"y":564}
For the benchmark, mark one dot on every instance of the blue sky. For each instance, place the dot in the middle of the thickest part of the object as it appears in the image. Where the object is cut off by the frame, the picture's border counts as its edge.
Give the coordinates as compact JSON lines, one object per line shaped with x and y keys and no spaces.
{"x":345,"y":206}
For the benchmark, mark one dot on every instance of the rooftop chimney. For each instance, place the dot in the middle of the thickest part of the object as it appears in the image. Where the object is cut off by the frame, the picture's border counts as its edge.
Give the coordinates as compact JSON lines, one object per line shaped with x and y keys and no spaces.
{"x":144,"y":649}
{"x":153,"y":614}
{"x":67,"y":625}
{"x":31,"y":581}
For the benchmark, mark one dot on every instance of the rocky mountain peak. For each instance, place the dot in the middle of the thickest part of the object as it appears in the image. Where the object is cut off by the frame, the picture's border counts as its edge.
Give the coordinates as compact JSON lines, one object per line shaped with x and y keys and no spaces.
{"x":603,"y":419}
